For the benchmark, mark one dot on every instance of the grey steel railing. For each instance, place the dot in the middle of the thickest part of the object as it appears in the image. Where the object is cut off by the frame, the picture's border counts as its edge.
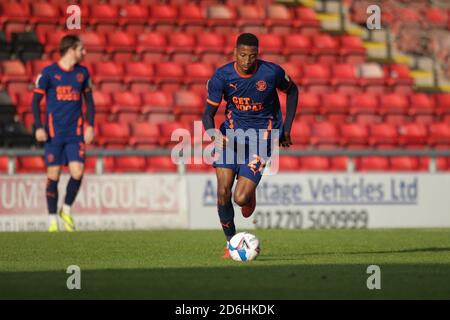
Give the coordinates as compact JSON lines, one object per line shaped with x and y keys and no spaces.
{"x":351,"y":154}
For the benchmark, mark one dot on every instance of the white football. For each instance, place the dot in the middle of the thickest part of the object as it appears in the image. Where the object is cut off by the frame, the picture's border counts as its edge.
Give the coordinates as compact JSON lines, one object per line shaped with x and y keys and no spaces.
{"x":244,"y":246}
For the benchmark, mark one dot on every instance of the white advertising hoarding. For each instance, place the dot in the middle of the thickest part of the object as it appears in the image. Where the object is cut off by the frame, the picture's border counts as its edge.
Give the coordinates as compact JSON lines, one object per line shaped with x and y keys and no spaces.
{"x":103,"y":202}
{"x":292,"y":201}
{"x":315,"y":201}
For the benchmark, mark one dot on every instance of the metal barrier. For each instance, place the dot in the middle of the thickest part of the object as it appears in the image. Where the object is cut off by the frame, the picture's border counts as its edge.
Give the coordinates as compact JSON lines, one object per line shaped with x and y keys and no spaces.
{"x":351,"y":154}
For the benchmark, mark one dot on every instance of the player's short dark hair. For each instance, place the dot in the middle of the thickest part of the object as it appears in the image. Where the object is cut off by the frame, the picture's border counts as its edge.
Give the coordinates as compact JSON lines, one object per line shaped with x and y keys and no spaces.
{"x":67,"y":42}
{"x":247,"y":39}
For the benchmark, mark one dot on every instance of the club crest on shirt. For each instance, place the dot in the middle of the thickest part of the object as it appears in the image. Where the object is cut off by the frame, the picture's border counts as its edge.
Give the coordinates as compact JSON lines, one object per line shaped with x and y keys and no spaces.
{"x":261,"y":85}
{"x":80,"y":77}
{"x":58,"y":77}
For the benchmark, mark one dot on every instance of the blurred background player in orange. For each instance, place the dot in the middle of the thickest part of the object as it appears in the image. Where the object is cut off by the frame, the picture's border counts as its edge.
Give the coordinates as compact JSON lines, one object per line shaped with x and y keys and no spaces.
{"x":64,"y":134}
{"x":249,"y":87}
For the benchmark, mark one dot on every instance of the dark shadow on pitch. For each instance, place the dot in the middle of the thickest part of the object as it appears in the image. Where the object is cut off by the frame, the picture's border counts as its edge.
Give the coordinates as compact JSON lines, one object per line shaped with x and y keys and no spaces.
{"x":235,"y":281}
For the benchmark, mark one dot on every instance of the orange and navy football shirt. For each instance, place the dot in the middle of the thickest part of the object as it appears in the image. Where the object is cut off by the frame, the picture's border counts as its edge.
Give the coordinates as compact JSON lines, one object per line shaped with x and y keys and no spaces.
{"x":63,"y":89}
{"x":251,"y":100}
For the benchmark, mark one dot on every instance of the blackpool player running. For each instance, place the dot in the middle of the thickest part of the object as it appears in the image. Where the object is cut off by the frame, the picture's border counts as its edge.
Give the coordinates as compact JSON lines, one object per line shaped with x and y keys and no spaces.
{"x":249,"y":87}
{"x":64,"y":134}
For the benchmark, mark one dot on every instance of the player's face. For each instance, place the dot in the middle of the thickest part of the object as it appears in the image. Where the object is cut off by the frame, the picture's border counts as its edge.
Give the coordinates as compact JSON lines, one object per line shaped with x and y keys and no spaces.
{"x":246,"y":58}
{"x":79,"y":52}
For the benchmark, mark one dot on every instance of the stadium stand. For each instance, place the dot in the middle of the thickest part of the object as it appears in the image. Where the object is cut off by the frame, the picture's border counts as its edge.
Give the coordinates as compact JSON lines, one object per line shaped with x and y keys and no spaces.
{"x":150,"y":62}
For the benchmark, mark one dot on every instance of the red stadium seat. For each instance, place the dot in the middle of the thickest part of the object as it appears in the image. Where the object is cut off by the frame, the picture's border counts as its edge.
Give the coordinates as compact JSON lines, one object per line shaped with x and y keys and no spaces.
{"x":398,"y":78}
{"x":404,"y":163}
{"x":90,"y":164}
{"x":187,"y":102}
{"x":270,"y":43}
{"x":325,"y":48}
{"x":30,"y":164}
{"x":103,"y":101}
{"x":314,"y":163}
{"x":324,"y":134}
{"x":4,"y":164}
{"x":169,"y":75}
{"x":191,"y":18}
{"x":13,"y":71}
{"x":251,"y":18}
{"x":151,"y":46}
{"x":372,"y":164}
{"x":144,"y":133}
{"x":157,"y":101}
{"x":309,"y":104}
{"x":338,"y":163}
{"x":167,"y":129}
{"x":181,"y":47}
{"x":129,"y":164}
{"x":104,"y":17}
{"x":113,"y":133}
{"x":316,"y":77}
{"x":126,"y":101}
{"x":442,"y":103}
{"x":413,"y":134}
{"x":14,"y":11}
{"x":139,"y":76}
{"x":441,"y":163}
{"x":221,"y":18}
{"x":160,"y":164}
{"x":344,"y":78}
{"x":363,"y":107}
{"x":197,"y":74}
{"x":354,"y":135}
{"x":439,"y":134}
{"x":300,"y":133}
{"x":436,"y":17}
{"x":163,"y":17}
{"x":307,"y":21}
{"x":210,"y":47}
{"x":133,"y":17}
{"x":394,"y":107}
{"x":95,"y":44}
{"x":335,"y":106}
{"x":108,"y":75}
{"x":297,"y":48}
{"x":286,"y":163}
{"x":383,"y":135}
{"x":279,"y":19}
{"x":293,"y":71}
{"x":422,"y":108}
{"x":352,"y":49}
{"x":121,"y":46}
{"x":42,"y":12}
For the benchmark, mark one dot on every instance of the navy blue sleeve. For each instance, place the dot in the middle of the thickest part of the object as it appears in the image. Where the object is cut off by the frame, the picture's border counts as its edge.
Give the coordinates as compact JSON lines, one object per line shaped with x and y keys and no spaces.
{"x":208,"y":116}
{"x":291,"y":107}
{"x":215,"y":90}
{"x":35,"y":107}
{"x":90,"y":109}
{"x":282,"y":79}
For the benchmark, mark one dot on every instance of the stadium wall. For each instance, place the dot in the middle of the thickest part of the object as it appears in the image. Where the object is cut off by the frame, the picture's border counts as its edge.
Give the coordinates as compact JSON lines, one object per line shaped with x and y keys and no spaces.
{"x":188,"y":201}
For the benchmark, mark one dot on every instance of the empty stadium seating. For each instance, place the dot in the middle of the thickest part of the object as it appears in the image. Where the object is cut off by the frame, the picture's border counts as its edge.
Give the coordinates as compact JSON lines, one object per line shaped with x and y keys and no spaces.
{"x":150,"y":62}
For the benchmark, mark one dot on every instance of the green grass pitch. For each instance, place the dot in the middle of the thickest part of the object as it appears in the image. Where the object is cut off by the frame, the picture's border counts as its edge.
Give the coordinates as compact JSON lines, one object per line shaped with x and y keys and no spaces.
{"x":294,"y":264}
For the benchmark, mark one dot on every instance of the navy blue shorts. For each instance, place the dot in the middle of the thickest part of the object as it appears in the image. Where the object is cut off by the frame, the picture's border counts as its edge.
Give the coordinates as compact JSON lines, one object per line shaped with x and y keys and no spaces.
{"x":244,"y":160}
{"x":62,"y":151}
